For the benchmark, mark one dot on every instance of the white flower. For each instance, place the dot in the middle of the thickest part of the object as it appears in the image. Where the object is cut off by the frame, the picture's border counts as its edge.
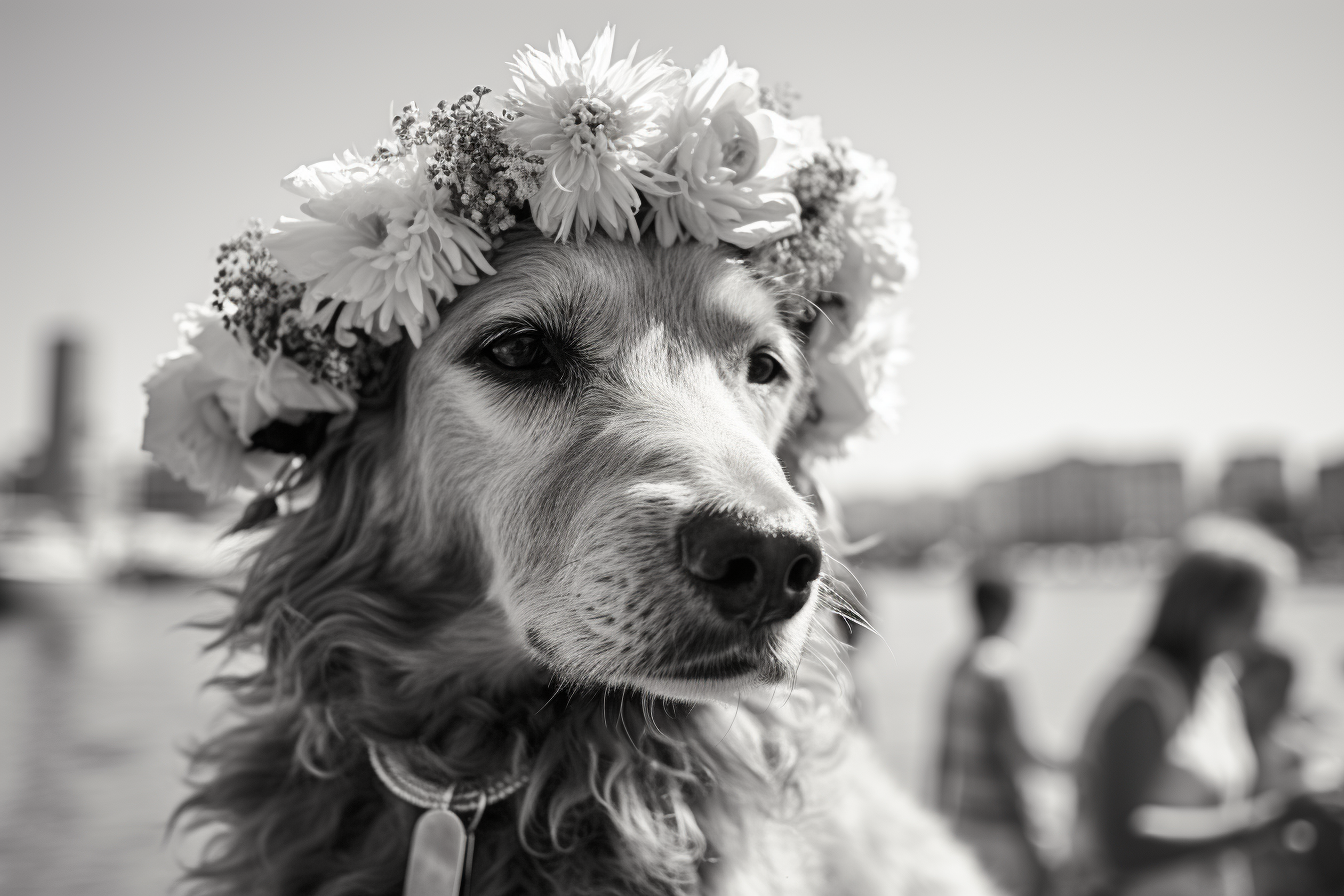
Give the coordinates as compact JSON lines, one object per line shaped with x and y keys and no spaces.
{"x":854,"y":367}
{"x":857,"y":347}
{"x":880,"y":248}
{"x":797,"y":141}
{"x":717,"y":141}
{"x":380,"y":252}
{"x":209,"y":397}
{"x":591,"y":121}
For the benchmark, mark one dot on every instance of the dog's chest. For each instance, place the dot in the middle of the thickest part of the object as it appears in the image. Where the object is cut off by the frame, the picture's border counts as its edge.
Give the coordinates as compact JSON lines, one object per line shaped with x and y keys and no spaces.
{"x":773,"y":859}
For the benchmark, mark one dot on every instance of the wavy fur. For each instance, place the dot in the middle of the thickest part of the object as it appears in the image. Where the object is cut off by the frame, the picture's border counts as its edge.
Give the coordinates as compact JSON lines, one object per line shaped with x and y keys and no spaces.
{"x":488,"y":577}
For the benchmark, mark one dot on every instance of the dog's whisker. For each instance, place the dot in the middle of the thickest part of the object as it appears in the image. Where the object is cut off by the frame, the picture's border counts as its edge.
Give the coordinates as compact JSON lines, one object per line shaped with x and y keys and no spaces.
{"x":839,"y":561}
{"x":832,"y":665}
{"x":554,"y":693}
{"x":837,"y":603}
{"x":737,"y":708}
{"x":650,"y":705}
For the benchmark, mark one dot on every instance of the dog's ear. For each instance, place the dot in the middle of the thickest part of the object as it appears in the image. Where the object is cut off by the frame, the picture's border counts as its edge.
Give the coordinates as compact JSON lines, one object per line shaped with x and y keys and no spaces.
{"x":312,"y":575}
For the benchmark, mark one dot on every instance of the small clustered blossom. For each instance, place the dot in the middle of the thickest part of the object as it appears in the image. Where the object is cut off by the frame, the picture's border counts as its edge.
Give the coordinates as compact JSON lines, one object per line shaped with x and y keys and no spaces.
{"x":808,"y":260}
{"x":485,"y":177}
{"x":260,"y":301}
{"x":780,"y":100}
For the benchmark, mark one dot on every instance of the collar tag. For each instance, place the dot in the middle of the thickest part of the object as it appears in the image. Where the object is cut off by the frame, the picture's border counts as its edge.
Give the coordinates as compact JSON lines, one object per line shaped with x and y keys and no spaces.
{"x":438,"y":855}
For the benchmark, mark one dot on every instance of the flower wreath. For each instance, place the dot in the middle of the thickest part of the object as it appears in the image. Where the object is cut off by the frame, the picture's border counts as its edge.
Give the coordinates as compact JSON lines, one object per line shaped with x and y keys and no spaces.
{"x":305,"y":318}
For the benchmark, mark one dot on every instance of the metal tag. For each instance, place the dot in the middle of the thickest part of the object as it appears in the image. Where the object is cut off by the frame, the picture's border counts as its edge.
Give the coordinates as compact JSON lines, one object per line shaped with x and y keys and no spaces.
{"x":438,"y":855}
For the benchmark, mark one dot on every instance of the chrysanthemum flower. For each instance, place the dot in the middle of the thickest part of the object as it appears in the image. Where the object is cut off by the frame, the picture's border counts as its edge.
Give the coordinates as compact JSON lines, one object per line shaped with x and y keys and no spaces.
{"x":717,"y":141}
{"x":207,"y":399}
{"x":380,"y":252}
{"x":591,"y":121}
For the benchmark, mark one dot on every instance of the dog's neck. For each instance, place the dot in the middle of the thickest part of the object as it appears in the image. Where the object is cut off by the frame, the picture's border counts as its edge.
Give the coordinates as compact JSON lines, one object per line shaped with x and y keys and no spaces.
{"x":671,"y":783}
{"x":655,"y":788}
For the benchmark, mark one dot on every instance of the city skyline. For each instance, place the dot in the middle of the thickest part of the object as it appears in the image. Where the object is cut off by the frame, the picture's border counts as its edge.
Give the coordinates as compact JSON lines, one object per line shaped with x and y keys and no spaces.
{"x":1127,"y":217}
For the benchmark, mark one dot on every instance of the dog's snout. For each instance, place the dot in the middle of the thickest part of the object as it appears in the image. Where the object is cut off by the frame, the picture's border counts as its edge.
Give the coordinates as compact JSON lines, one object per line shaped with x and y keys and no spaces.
{"x":753,"y":575}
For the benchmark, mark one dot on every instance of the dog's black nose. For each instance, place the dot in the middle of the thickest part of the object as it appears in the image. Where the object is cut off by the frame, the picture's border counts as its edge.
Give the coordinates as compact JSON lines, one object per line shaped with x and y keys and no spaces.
{"x":755,"y":576}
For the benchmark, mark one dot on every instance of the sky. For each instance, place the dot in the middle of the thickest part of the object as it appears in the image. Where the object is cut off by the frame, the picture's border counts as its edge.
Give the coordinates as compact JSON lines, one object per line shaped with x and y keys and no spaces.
{"x":1129,"y":214}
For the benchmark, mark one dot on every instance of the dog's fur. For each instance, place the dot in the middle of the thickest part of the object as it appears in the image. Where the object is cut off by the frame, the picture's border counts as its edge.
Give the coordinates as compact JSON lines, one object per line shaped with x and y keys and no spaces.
{"x":491,"y":573}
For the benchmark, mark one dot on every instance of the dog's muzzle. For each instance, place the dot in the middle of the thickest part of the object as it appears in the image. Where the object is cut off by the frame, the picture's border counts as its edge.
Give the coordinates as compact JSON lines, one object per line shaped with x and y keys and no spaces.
{"x":754,"y":576}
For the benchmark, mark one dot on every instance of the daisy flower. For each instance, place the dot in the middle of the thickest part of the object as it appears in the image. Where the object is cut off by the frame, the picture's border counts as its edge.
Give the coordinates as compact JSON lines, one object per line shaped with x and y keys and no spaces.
{"x":379,"y":251}
{"x":591,"y":121}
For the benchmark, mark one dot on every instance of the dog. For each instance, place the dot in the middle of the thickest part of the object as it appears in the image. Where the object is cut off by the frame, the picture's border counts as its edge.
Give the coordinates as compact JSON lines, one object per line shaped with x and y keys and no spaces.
{"x":574,"y":541}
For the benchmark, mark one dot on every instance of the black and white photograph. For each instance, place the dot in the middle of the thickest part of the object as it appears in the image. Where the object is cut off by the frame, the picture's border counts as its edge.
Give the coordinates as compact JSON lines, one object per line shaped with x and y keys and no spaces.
{"x":587,"y":449}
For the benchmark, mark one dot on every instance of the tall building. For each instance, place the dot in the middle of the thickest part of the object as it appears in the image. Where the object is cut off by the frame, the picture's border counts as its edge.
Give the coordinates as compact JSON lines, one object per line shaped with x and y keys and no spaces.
{"x":56,"y":471}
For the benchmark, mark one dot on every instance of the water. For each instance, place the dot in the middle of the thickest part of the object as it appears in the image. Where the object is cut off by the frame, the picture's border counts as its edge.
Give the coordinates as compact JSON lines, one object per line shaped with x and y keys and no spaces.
{"x":100,"y":689}
{"x":99,"y":692}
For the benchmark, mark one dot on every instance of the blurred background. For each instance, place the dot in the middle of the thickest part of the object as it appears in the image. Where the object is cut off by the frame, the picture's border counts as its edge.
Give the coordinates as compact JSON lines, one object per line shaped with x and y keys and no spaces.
{"x":1130,"y":313}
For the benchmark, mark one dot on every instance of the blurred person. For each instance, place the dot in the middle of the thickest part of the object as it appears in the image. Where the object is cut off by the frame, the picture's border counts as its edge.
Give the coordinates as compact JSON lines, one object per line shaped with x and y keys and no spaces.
{"x":1302,"y":854}
{"x":983,"y":753}
{"x":1168,"y":770}
{"x":1265,"y":683}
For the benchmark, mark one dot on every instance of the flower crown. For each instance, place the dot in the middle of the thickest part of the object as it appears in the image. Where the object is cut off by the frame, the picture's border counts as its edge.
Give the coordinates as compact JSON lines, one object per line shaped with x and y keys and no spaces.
{"x":305,"y":318}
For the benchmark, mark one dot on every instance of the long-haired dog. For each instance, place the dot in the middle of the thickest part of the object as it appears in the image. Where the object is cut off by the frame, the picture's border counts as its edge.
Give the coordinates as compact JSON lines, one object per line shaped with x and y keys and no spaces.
{"x":568,"y":546}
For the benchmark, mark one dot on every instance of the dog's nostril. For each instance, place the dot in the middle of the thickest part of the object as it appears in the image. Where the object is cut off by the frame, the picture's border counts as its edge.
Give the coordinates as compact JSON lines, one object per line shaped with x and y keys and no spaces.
{"x":802,"y":573}
{"x":752,"y":575}
{"x":739,"y":571}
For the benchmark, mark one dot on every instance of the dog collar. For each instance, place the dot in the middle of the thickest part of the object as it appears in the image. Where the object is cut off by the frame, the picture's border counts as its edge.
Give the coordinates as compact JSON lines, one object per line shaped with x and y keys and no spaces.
{"x":442,"y":846}
{"x":460,"y":798}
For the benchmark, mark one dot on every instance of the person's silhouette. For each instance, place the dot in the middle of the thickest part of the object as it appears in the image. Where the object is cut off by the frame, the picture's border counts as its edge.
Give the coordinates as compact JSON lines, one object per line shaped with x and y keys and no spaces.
{"x":983,"y":752}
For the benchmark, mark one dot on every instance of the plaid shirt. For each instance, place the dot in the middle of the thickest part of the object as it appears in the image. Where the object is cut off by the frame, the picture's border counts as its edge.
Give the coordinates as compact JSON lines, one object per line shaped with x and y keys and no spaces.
{"x":981,"y":747}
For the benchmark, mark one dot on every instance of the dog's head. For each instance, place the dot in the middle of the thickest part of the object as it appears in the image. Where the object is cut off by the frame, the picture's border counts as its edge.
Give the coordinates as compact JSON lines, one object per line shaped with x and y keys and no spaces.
{"x":601,"y":424}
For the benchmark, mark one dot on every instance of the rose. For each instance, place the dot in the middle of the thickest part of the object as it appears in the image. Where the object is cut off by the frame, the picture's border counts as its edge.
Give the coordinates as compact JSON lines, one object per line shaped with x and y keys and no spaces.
{"x":853,"y":361}
{"x":207,"y":399}
{"x":718,"y":139}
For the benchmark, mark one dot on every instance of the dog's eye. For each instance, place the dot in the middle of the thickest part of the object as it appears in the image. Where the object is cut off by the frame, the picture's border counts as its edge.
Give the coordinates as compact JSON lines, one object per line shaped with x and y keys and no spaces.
{"x":763,"y":367}
{"x":523,"y":351}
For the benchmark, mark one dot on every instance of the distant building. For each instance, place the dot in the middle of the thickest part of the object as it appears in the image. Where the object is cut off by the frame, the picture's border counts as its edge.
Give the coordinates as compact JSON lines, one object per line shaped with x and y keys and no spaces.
{"x":1329,"y":510}
{"x":1253,"y":486}
{"x":56,"y":470}
{"x":1151,"y":496}
{"x":1076,"y":500}
{"x":902,"y":529}
{"x":1073,"y":500}
{"x":993,"y":512}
